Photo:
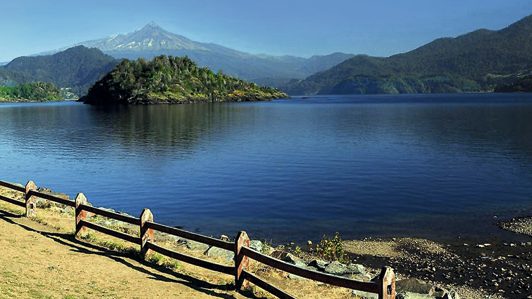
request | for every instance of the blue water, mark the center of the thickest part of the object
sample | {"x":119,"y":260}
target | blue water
{"x":420,"y":165}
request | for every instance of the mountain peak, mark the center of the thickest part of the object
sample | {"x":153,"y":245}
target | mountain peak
{"x":152,"y":25}
{"x":149,"y":38}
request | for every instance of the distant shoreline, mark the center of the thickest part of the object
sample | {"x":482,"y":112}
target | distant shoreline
{"x":292,"y":97}
{"x":31,"y":101}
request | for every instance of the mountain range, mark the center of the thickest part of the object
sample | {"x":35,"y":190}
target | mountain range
{"x":152,"y":40}
{"x":473,"y":62}
{"x":478,"y":61}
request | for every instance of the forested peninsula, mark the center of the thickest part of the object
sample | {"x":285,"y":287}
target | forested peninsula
{"x":172,"y":80}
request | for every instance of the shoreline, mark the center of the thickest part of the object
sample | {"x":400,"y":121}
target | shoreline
{"x":487,"y":264}
{"x":31,"y":101}
{"x":496,"y":268}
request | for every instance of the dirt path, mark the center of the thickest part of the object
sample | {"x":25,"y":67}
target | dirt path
{"x":38,"y":262}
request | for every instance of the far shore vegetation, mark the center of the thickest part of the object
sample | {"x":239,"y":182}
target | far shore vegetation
{"x":521,"y":84}
{"x":30,"y":92}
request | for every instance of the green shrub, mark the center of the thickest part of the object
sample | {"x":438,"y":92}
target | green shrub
{"x":331,"y":249}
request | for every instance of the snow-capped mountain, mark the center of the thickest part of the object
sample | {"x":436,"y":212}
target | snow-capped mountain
{"x":152,"y":40}
{"x":149,"y":38}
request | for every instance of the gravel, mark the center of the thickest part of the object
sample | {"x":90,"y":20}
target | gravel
{"x":522,"y":225}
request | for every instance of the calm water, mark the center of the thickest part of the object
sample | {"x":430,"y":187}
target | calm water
{"x":436,"y":166}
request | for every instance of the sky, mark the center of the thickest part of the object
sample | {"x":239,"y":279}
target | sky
{"x":277,"y":27}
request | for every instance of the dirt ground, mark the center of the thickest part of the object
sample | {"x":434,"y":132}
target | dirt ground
{"x":38,"y":261}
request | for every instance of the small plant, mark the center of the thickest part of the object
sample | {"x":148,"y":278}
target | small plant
{"x":89,"y":237}
{"x":266,"y":247}
{"x":155,"y":258}
{"x":161,"y":260}
{"x":44,"y":204}
{"x":331,"y":249}
{"x":298,"y":251}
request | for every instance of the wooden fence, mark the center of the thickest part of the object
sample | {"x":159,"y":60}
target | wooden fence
{"x":384,"y":286}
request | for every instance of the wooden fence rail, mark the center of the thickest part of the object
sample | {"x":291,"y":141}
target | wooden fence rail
{"x":111,"y":232}
{"x":313,"y":275}
{"x":190,"y":259}
{"x":13,"y":201}
{"x":384,"y":286}
{"x":12,"y":186}
{"x":191,"y":236}
{"x":51,"y":197}
{"x":109,"y":214}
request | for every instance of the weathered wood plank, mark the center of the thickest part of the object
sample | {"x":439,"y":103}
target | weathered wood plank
{"x":387,"y":283}
{"x":266,"y":286}
{"x":191,"y":236}
{"x":111,"y":232}
{"x":241,"y":260}
{"x":53,"y":198}
{"x":313,"y":275}
{"x":31,"y":205}
{"x":12,"y":186}
{"x":146,"y":234}
{"x":79,"y":213}
{"x":13,"y":201}
{"x":112,"y":215}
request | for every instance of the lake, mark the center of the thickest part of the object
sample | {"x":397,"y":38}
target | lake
{"x":437,"y":166}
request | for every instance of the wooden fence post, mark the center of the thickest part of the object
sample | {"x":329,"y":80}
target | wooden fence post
{"x":30,"y":200}
{"x":80,"y":214}
{"x":387,"y":283}
{"x":146,"y":234}
{"x":241,"y":261}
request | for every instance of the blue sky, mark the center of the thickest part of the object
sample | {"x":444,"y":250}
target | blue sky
{"x":294,"y":27}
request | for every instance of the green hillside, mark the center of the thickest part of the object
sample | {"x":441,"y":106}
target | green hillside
{"x":476,"y":61}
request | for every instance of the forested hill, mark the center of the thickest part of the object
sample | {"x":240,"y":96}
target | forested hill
{"x":477,"y":61}
{"x":167,"y":79}
{"x":77,"y":68}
